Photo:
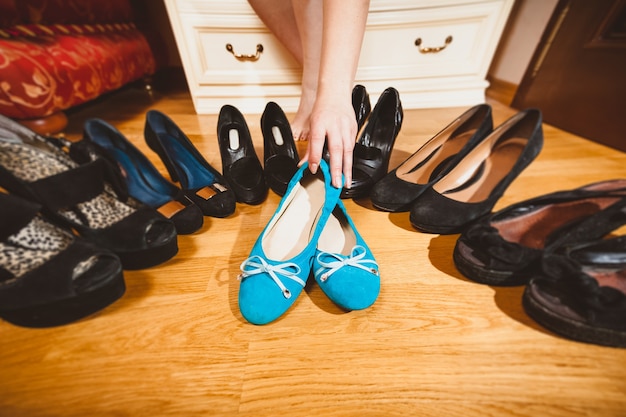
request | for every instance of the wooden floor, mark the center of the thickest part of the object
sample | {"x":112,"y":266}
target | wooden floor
{"x":434,"y":343}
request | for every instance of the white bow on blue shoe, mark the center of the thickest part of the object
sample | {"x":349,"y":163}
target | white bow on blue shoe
{"x":344,"y":266}
{"x":280,"y":262}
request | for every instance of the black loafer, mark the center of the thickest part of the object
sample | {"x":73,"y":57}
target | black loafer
{"x":240,"y":164}
{"x":48,"y":275}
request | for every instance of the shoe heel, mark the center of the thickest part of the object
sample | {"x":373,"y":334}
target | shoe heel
{"x":154,"y":144}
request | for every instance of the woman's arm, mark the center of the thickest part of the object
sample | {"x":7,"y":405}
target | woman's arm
{"x":333,"y":117}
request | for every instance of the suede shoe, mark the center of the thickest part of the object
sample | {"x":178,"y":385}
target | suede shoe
{"x":344,"y":266}
{"x":279,"y":264}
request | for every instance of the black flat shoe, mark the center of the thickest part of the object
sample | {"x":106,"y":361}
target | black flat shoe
{"x":49,"y":276}
{"x":144,"y":181}
{"x":240,"y":164}
{"x":505,"y":248}
{"x":90,"y":198}
{"x":202,"y":183}
{"x":361,"y":104}
{"x":279,"y":149}
{"x":474,"y":185}
{"x":397,"y":190}
{"x":373,"y":147}
{"x":580,"y":292}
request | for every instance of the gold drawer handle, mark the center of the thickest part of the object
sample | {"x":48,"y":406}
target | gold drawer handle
{"x":242,"y":57}
{"x":432,"y":49}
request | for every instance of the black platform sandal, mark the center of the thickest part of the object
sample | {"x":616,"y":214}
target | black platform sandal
{"x":90,"y":198}
{"x":48,"y":276}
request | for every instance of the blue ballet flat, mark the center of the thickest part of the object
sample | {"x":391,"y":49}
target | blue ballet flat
{"x":145,"y":183}
{"x":280,"y":262}
{"x":344,"y":266}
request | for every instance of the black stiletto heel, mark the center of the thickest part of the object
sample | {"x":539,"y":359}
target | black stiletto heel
{"x":373,"y":148}
{"x":202,"y":183}
{"x":361,"y":104}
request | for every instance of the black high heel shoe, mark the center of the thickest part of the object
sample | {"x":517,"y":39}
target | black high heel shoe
{"x":397,"y":190}
{"x":373,"y":148}
{"x":48,"y":275}
{"x":240,"y":164}
{"x":361,"y":104}
{"x":144,"y":181}
{"x":279,"y":149}
{"x":474,"y":185}
{"x":90,"y":198}
{"x":202,"y":183}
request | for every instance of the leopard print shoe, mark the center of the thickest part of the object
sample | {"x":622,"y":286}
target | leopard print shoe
{"x":90,"y":198}
{"x":49,"y":276}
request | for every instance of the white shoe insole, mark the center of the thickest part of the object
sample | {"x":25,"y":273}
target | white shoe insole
{"x":293,"y":227}
{"x":278,"y":137}
{"x":233,"y":139}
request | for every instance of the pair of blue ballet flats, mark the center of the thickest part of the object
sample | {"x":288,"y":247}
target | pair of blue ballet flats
{"x":310,"y":232}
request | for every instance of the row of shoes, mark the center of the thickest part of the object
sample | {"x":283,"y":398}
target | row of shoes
{"x":121,"y":213}
{"x":311,"y":232}
{"x":78,"y":213}
{"x":568,"y":249}
{"x":378,"y":129}
{"x":565,"y":247}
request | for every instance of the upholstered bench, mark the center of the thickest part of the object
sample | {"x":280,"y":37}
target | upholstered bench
{"x":57,"y":54}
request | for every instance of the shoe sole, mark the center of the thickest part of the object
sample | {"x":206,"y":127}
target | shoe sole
{"x":488,"y":276}
{"x":392,"y":208}
{"x":149,"y":257}
{"x":569,"y":328}
{"x":67,"y":311}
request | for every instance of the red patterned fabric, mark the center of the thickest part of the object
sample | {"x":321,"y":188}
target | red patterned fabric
{"x":67,"y":53}
{"x":48,"y":12}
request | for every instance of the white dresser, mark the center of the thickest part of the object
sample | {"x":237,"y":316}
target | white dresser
{"x":436,"y":53}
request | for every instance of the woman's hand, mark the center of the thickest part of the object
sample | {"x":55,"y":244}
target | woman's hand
{"x":333,"y":122}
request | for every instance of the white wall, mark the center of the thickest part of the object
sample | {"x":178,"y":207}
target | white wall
{"x":523,"y":32}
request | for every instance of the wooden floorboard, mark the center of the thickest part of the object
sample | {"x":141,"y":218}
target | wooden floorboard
{"x":434,"y":343}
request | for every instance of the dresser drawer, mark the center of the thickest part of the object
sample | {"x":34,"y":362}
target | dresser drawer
{"x":254,"y":56}
{"x":453,"y":40}
{"x":257,"y":68}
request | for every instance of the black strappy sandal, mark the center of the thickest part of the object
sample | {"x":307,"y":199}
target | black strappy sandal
{"x":48,"y":276}
{"x":90,"y":198}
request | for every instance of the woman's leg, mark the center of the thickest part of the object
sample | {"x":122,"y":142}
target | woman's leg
{"x":279,"y":18}
{"x":297,"y":24}
{"x":309,"y":18}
